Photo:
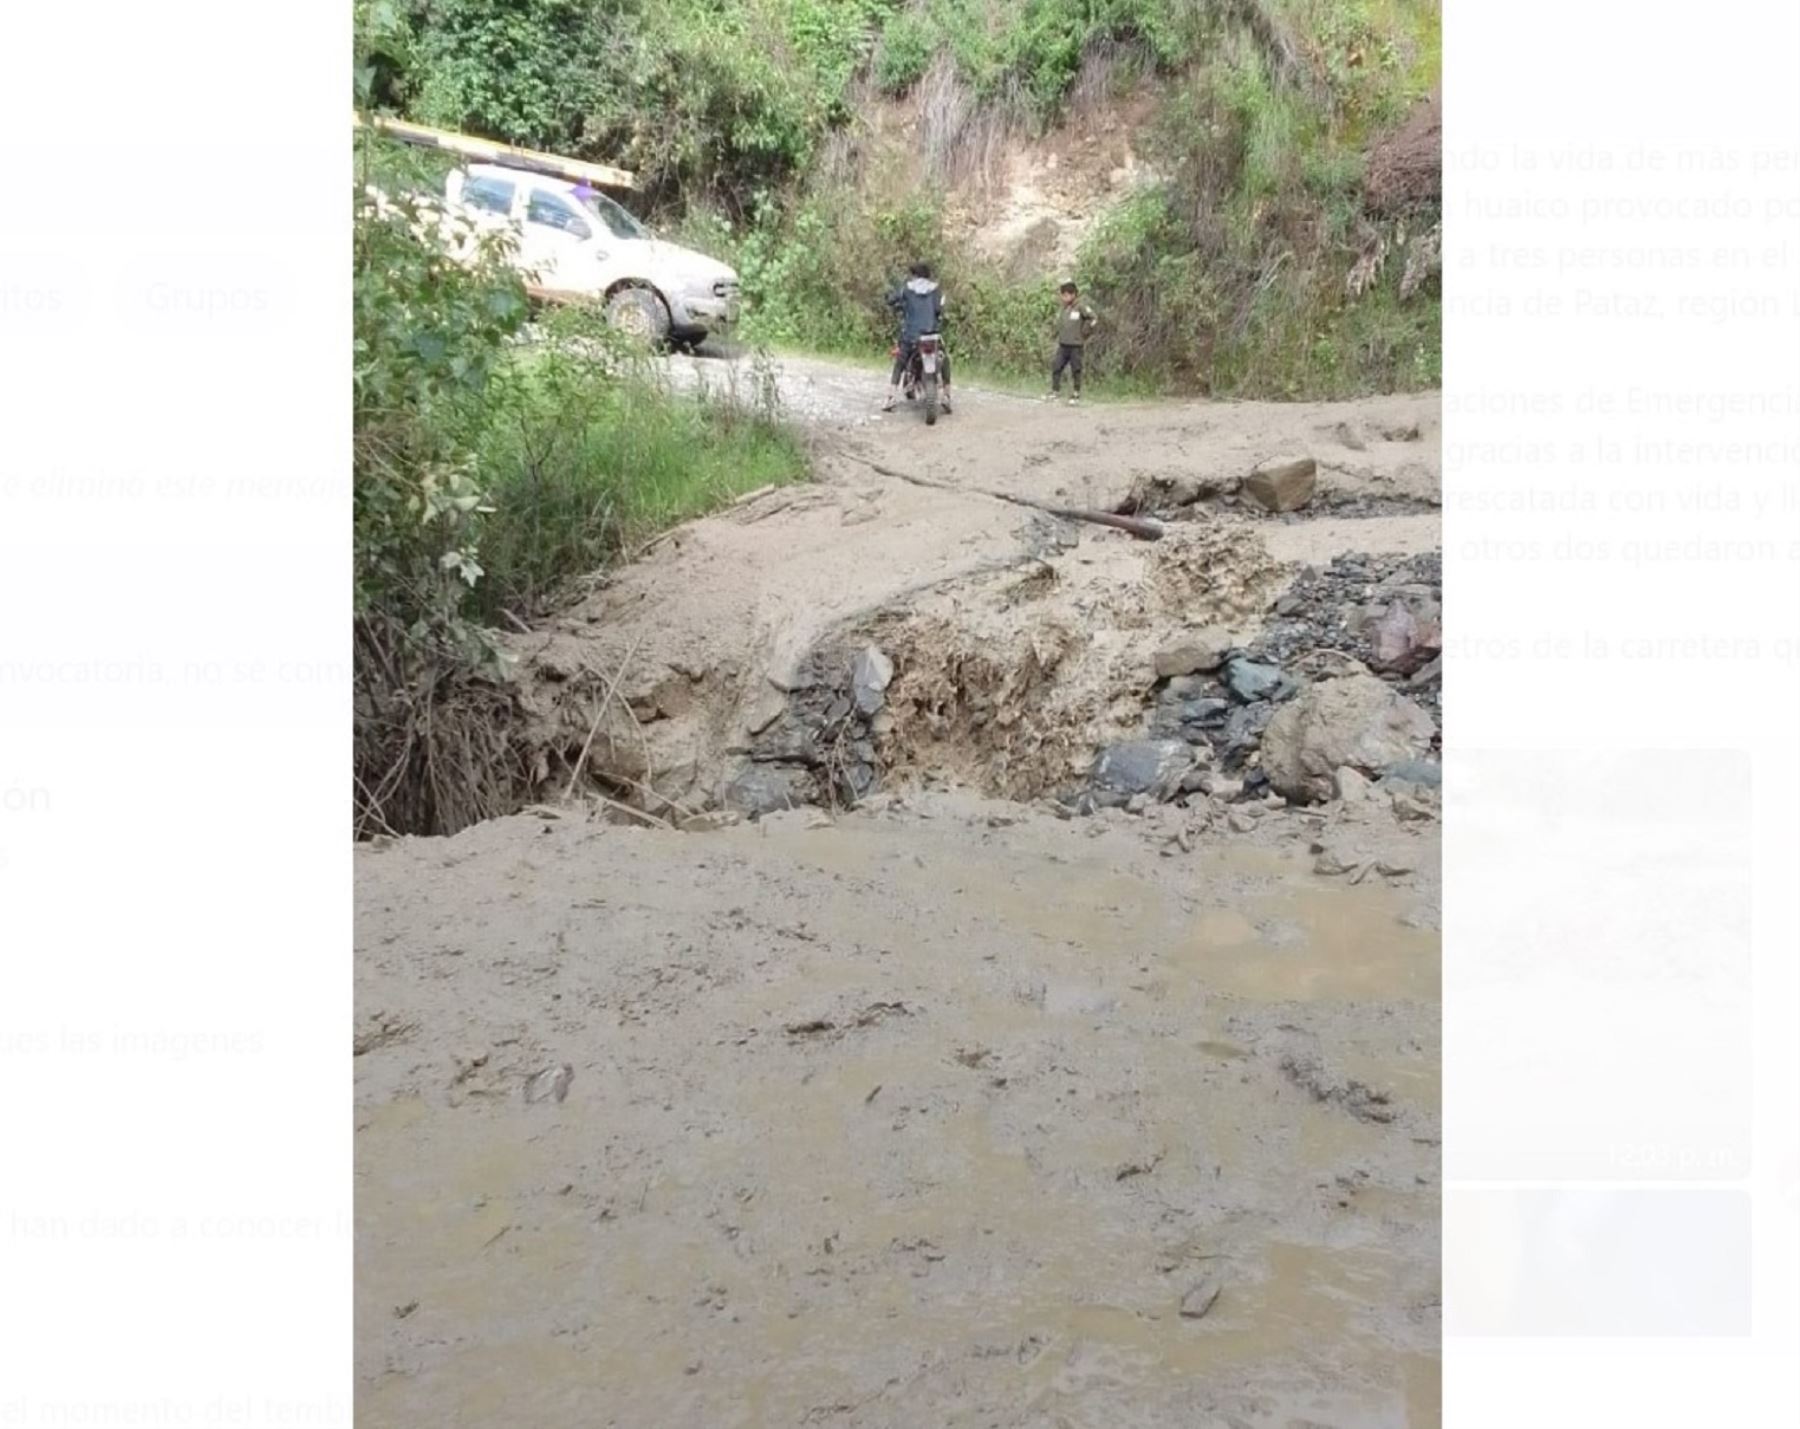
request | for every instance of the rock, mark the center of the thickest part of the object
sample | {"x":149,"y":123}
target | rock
{"x":1194,"y":781}
{"x":1190,"y":656}
{"x":1207,"y":710}
{"x":1350,"y":786}
{"x":869,"y":678}
{"x":1402,"y":642}
{"x":768,"y":706}
{"x":1190,"y":720}
{"x":1283,"y":485}
{"x":1249,"y":681}
{"x":1137,"y":803}
{"x":765,"y":788}
{"x":1410,"y":807}
{"x":1348,"y":436}
{"x":1331,"y":862}
{"x":1394,"y":637}
{"x":1289,"y":605}
{"x":1356,"y":722}
{"x":551,"y":1084}
{"x":791,"y":682}
{"x":711,"y":821}
{"x":1329,"y":665}
{"x":1428,"y":675}
{"x":1141,"y":766}
{"x":1240,"y":821}
{"x":1394,"y":865}
{"x":1201,"y":1296}
{"x":1220,"y":787}
{"x":1244,"y":730}
{"x":788,"y":742}
{"x":1415,"y":771}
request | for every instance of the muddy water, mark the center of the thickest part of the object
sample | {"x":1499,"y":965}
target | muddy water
{"x":905,"y":1122}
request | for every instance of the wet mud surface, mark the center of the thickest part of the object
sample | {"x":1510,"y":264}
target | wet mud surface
{"x":939,"y":1114}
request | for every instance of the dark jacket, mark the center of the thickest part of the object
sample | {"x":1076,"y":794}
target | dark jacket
{"x":920,"y":304}
{"x":1075,"y":324}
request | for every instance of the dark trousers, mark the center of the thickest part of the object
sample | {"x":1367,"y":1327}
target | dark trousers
{"x":1068,"y":354}
{"x":906,"y":356}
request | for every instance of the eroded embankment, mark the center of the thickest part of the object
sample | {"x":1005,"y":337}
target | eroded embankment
{"x":716,"y":674}
{"x":938,"y":1109}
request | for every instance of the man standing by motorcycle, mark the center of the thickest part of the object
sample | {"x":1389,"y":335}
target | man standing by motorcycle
{"x":920,"y":303}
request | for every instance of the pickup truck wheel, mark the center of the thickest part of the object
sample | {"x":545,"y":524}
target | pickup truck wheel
{"x":639,"y":313}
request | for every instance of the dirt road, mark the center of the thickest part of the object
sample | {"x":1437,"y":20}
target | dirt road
{"x":950,"y":1109}
{"x":710,"y":631}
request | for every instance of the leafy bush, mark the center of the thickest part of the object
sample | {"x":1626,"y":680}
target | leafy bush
{"x":740,"y":117}
{"x":430,"y":748}
{"x":908,"y":43}
{"x":518,"y":70}
{"x":428,"y":330}
{"x":486,"y":475}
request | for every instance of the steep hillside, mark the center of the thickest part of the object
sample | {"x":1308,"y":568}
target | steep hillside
{"x":1199,"y":165}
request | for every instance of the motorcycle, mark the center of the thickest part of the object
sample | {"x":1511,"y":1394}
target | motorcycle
{"x":921,"y":379}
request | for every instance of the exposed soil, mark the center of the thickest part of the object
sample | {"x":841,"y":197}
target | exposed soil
{"x":710,"y":635}
{"x":955,"y":1107}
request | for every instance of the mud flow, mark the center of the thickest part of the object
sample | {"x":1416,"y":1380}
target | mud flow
{"x":1012,"y":998}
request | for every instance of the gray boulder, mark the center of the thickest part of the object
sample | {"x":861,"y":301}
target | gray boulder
{"x":1244,"y":730}
{"x":788,"y":741}
{"x":1140,"y":766}
{"x":1358,"y":722}
{"x":1251,"y":681}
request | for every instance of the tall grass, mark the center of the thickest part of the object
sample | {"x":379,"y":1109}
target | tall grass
{"x":586,"y":451}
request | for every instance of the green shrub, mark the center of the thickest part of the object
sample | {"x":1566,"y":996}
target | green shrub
{"x":431,"y":751}
{"x":908,"y":43}
{"x":486,"y":474}
{"x":1229,"y":276}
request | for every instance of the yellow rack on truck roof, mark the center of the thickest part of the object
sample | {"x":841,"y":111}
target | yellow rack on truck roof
{"x":488,"y":152}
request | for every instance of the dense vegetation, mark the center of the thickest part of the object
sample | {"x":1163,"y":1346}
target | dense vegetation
{"x":1238,"y":273}
{"x":487,"y":475}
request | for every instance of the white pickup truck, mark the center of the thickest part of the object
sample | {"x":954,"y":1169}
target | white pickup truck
{"x":576,"y":243}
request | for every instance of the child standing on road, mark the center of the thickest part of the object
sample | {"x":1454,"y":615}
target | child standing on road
{"x":1074,"y":326}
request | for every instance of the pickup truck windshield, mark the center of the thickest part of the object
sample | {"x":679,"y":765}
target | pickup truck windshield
{"x":618,"y":222}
